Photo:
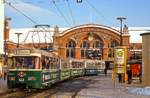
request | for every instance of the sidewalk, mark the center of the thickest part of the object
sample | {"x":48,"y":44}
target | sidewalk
{"x":3,"y":85}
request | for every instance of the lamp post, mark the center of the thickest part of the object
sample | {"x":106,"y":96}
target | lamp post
{"x":121,"y":20}
{"x":79,"y":1}
{"x":18,"y":35}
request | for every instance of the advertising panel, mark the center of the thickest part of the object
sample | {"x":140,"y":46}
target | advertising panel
{"x":120,"y":59}
{"x":120,"y":56}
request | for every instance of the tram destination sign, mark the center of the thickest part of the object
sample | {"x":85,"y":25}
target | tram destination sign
{"x":22,"y":51}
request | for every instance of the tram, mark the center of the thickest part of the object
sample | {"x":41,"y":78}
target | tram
{"x":94,"y":67}
{"x":77,"y":68}
{"x":32,"y":68}
{"x":38,"y":69}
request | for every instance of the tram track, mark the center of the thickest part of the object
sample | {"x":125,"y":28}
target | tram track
{"x":19,"y":92}
{"x":67,"y":89}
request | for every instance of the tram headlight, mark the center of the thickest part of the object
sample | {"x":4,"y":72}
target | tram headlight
{"x":11,"y":78}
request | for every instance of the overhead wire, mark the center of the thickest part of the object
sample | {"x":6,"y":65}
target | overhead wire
{"x":96,"y":10}
{"x":10,"y":4}
{"x":71,"y":12}
{"x":60,"y":12}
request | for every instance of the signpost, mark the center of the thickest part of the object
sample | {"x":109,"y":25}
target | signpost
{"x":120,"y":63}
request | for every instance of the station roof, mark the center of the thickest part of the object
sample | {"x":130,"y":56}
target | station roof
{"x":30,"y":35}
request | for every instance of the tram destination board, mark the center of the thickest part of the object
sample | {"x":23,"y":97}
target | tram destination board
{"x":22,"y":52}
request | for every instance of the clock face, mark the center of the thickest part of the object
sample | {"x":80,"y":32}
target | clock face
{"x":90,"y":36}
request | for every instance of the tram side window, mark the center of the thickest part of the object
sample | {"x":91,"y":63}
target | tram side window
{"x":54,"y":63}
{"x":26,"y":62}
{"x":36,"y":63}
{"x":46,"y":63}
{"x":10,"y":63}
{"x":17,"y":62}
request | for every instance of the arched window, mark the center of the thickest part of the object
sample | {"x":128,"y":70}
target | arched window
{"x":70,"y":49}
{"x":84,"y":46}
{"x":92,"y":49}
{"x":98,"y":44}
{"x":98,"y":49}
{"x":113,"y":44}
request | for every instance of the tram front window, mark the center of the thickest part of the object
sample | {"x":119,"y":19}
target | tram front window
{"x":25,"y":62}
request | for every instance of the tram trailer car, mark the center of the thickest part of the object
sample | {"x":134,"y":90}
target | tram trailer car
{"x":77,"y":68}
{"x":94,"y":67}
{"x":31,"y":68}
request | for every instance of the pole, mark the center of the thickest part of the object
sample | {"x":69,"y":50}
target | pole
{"x":18,"y":35}
{"x":79,"y":1}
{"x":121,"y":20}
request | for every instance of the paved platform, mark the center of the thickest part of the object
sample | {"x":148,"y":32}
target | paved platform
{"x":3,"y":85}
{"x":91,"y":87}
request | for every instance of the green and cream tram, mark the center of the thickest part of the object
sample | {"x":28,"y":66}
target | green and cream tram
{"x":77,"y":68}
{"x":32,"y":68}
{"x":94,"y":67}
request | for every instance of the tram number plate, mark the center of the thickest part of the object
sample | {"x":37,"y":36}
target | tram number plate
{"x":21,"y":79}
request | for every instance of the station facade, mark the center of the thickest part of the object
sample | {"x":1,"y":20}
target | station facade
{"x":89,"y":41}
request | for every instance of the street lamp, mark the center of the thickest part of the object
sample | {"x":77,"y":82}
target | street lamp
{"x":79,"y":1}
{"x":18,"y":35}
{"x":121,"y":20}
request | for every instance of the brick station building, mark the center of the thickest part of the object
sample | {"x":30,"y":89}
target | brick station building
{"x":87,"y":41}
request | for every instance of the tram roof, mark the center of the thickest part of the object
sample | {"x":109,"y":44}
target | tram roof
{"x":33,"y":52}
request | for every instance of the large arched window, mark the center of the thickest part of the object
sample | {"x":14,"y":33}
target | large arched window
{"x":84,"y":47}
{"x":97,"y":45}
{"x":70,"y":49}
{"x":93,"y":48}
